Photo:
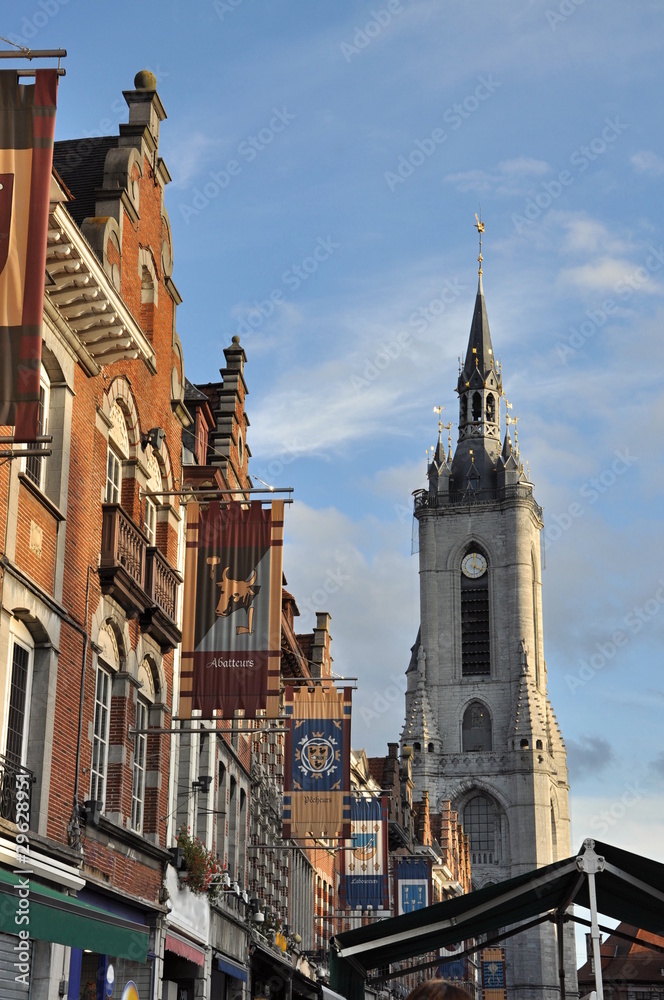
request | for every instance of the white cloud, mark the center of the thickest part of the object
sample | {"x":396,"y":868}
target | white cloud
{"x":192,"y":155}
{"x":509,"y":177}
{"x":647,"y":162}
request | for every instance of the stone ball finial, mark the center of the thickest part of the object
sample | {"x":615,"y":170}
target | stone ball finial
{"x":236,"y":339}
{"x":145,"y":80}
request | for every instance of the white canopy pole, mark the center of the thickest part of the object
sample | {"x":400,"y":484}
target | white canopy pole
{"x":591,"y":863}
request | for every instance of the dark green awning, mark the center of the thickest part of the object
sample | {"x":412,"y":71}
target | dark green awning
{"x":49,"y":915}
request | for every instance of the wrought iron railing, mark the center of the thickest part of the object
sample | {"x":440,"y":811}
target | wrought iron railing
{"x":456,"y":498}
{"x":16,"y":784}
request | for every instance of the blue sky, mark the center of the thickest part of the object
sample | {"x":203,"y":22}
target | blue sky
{"x":327,"y":162}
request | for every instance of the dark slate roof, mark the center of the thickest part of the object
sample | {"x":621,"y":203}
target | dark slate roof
{"x":479,"y":342}
{"x":80,"y":163}
{"x":192,"y":393}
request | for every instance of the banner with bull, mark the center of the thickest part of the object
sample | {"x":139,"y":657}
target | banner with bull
{"x":27,"y":127}
{"x":317,"y":763}
{"x":232,"y":610}
{"x":364,"y":879}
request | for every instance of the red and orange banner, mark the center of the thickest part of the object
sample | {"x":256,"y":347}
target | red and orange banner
{"x":317,"y":763}
{"x":231,"y":640}
{"x":27,"y":127}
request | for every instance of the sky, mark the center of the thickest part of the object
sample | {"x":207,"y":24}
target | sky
{"x":328,"y":160}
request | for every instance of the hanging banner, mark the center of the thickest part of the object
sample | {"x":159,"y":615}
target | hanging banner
{"x":231,"y":637}
{"x":317,"y":763}
{"x":27,"y":127}
{"x":412,"y":885}
{"x":364,"y":879}
{"x":493,"y":974}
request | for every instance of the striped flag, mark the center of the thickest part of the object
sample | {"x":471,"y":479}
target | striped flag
{"x":317,"y":763}
{"x":231,"y":639}
{"x":364,"y":879}
{"x":27,"y":127}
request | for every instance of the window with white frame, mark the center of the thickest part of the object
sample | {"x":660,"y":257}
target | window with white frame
{"x":118,"y":450}
{"x":150,"y":525}
{"x":153,"y":485}
{"x":16,"y":735}
{"x":35,"y":465}
{"x":100,"y":734}
{"x":140,"y":754}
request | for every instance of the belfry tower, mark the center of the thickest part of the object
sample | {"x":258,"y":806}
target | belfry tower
{"x":478,"y":718}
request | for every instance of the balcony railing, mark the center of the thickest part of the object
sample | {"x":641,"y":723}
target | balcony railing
{"x":15,"y":778}
{"x":138,"y":576}
{"x":425,"y":500}
{"x":161,"y":584}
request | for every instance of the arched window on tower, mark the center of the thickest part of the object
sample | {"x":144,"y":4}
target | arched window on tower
{"x":464,"y":408}
{"x":477,"y":406}
{"x":479,"y":822}
{"x":491,"y":408}
{"x":475,"y":638}
{"x":476,"y":728}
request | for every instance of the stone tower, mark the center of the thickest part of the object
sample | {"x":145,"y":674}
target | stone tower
{"x":478,"y":718}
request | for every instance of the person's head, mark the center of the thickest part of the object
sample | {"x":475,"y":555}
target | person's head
{"x":437,"y":989}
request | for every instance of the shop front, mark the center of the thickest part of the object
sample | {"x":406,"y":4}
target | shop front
{"x":34,"y":917}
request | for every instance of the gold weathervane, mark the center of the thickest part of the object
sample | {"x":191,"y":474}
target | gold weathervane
{"x":479,"y":226}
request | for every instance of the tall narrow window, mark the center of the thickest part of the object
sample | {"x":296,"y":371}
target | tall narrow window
{"x":479,"y":822}
{"x":35,"y":465}
{"x":18,"y":705}
{"x":475,"y":636}
{"x":476,"y":728}
{"x":100,"y":736}
{"x":150,"y":526}
{"x":491,"y":408}
{"x":138,"y":782}
{"x":477,"y":406}
{"x":113,"y":477}
{"x":118,"y":449}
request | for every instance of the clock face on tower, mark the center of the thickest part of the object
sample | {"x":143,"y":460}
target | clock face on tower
{"x":473,"y":565}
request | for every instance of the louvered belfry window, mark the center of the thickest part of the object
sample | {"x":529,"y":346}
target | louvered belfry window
{"x":475,"y":641}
